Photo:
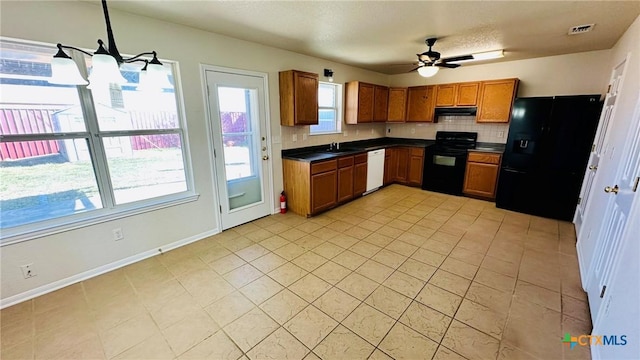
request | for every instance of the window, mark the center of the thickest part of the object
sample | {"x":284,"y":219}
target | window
{"x":329,"y":109}
{"x":70,"y":154}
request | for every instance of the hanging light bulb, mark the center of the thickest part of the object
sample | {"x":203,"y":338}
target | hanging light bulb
{"x":64,"y":70}
{"x":104,"y":69}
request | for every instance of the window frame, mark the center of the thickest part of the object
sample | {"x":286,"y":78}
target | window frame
{"x":95,"y":139}
{"x":337,"y":108}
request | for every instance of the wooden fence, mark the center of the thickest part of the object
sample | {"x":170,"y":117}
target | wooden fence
{"x":15,"y":121}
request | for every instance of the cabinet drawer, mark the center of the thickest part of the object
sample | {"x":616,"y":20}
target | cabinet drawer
{"x":323,"y":166}
{"x":416,"y":151}
{"x":345,"y":161}
{"x":361,"y":158}
{"x":486,"y":158}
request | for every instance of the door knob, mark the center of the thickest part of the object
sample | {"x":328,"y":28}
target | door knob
{"x":265,"y":157}
{"x":593,"y":167}
{"x":610,"y":189}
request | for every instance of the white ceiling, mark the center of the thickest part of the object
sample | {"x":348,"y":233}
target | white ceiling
{"x":384,"y":36}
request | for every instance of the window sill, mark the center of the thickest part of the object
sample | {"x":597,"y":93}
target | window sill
{"x":325,"y":133}
{"x":35,"y":230}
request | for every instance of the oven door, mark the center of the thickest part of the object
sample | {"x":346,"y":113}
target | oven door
{"x":444,"y":170}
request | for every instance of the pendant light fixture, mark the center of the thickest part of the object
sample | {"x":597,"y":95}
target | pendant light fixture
{"x":106,"y":63}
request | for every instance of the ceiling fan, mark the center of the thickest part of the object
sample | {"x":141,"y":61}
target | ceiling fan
{"x":429,"y":61}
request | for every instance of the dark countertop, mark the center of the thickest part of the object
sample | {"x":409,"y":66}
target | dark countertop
{"x":319,"y":153}
{"x":489,"y":147}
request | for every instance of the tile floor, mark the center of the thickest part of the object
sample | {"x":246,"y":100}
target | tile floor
{"x":401,"y":273}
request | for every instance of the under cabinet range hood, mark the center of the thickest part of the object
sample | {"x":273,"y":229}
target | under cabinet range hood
{"x":456,"y":111}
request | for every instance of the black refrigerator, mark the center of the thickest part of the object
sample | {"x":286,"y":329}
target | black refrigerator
{"x":547,"y":150}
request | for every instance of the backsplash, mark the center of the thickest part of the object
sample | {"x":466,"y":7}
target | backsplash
{"x":493,"y":133}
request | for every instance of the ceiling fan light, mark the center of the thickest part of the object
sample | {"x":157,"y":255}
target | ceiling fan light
{"x":487,"y":55}
{"x":428,"y":71}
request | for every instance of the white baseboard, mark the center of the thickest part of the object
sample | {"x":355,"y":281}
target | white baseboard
{"x":44,"y":289}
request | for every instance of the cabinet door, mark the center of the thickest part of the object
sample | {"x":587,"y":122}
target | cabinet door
{"x":420,"y":104}
{"x":496,"y":100}
{"x":390,"y":165}
{"x":403,"y":164}
{"x":397,"y":104}
{"x":365,"y":102}
{"x":359,"y":179}
{"x":416,"y":165}
{"x":323,"y":190}
{"x":480,"y":180}
{"x":305,"y":98}
{"x":380,"y":103}
{"x":446,"y":94}
{"x":467,"y":94}
{"x":345,"y":183}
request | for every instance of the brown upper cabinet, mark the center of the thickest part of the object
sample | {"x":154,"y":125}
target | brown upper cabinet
{"x":365,"y":103}
{"x":380,"y":103}
{"x":420,"y":103}
{"x":458,"y":94}
{"x":298,"y":98}
{"x":495,"y":100}
{"x":397,"y":104}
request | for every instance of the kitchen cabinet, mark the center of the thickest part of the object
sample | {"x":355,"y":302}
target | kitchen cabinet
{"x":298,"y":98}
{"x":496,"y":100}
{"x":402,"y":170}
{"x":345,"y":178}
{"x":323,"y":185}
{"x":380,"y":103}
{"x":359,"y":100}
{"x":481,"y":175}
{"x":359,"y":174}
{"x":365,"y":103}
{"x":457,"y":94}
{"x":315,"y":187}
{"x":390,"y":165}
{"x":420,"y":103}
{"x":397,"y":104}
{"x":416,"y":165}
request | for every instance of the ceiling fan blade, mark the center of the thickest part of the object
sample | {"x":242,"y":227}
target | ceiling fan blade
{"x":458,"y":58}
{"x":446,"y":65}
{"x":416,"y":68}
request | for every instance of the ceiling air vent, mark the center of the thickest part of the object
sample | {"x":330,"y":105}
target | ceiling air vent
{"x":580,"y":29}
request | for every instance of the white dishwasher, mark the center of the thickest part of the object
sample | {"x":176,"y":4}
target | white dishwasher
{"x":375,"y":170}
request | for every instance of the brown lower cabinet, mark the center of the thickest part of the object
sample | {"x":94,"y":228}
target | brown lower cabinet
{"x":315,"y":187}
{"x":359,"y":175}
{"x":481,"y":175}
{"x":403,"y":165}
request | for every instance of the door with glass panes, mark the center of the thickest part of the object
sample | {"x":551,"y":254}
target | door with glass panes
{"x":238,"y":114}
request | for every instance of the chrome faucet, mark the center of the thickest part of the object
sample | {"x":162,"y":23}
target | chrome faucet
{"x":334,"y":146}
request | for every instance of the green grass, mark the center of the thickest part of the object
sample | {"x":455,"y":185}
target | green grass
{"x":146,"y":167}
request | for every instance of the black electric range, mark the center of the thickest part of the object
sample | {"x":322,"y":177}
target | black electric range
{"x":445,"y":161}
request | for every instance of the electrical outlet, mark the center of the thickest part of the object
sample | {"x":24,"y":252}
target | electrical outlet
{"x":117,"y":234}
{"x":294,"y":138}
{"x":304,"y":137}
{"x":413,"y":130}
{"x":371,"y":131}
{"x":345,"y":133}
{"x":28,"y":271}
{"x":500,"y":134}
{"x":357,"y":132}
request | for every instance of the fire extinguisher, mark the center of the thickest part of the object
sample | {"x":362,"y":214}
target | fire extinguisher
{"x":283,"y":203}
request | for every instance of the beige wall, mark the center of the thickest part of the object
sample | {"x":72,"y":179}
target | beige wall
{"x":68,"y":254}
{"x":72,"y":253}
